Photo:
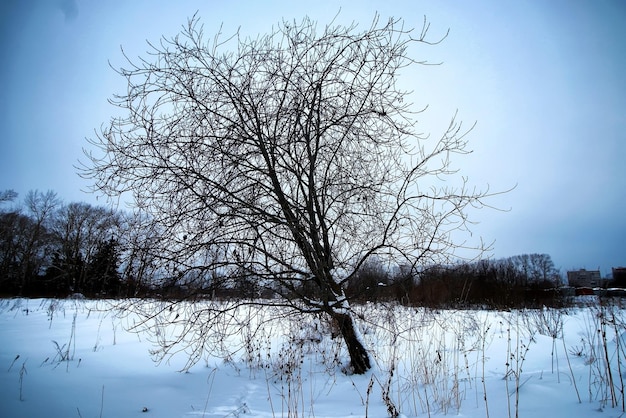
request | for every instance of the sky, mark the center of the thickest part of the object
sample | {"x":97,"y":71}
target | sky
{"x":543,"y":80}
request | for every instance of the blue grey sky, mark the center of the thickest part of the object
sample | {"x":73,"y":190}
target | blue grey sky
{"x":544,"y":80}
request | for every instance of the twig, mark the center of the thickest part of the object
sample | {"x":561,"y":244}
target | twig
{"x":13,"y":362}
{"x":102,"y":402}
{"x":212,"y":377}
{"x":23,"y":372}
{"x":571,"y":371}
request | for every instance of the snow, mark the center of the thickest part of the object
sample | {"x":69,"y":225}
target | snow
{"x":78,"y":359}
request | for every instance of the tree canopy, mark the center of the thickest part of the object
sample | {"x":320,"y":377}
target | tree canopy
{"x":291,"y":158}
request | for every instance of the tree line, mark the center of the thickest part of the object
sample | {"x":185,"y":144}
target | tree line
{"x":519,"y":281}
{"x":51,"y":248}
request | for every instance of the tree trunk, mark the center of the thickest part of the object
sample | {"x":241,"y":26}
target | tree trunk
{"x":359,"y":359}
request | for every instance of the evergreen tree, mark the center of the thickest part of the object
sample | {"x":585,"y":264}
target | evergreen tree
{"x":103,"y":275}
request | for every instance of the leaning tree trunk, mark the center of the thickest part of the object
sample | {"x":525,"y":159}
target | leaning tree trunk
{"x":359,"y":359}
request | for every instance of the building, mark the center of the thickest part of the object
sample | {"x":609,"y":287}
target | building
{"x":619,"y":277}
{"x":585,"y":278}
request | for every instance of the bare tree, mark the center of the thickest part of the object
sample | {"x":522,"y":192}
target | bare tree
{"x":25,"y":240}
{"x":79,"y":229}
{"x":8,"y":195}
{"x":41,"y":207}
{"x":291,"y":158}
{"x":139,"y":240}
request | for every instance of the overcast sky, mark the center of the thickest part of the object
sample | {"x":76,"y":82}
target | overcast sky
{"x":544,"y":80}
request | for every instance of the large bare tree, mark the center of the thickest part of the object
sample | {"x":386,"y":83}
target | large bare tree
{"x":291,"y":158}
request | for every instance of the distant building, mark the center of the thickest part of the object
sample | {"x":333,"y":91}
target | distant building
{"x":585,"y":278}
{"x":619,"y":277}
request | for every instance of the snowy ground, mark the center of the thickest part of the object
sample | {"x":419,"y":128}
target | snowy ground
{"x":74,"y":358}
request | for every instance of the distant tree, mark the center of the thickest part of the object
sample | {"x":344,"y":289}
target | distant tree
{"x":8,"y":195}
{"x":15,"y":228}
{"x":41,"y":207}
{"x":533,"y":268}
{"x":544,"y":269}
{"x":369,"y":282}
{"x":139,"y":249}
{"x":79,"y":229}
{"x":103,"y":277}
{"x":25,"y":240}
{"x":291,"y":158}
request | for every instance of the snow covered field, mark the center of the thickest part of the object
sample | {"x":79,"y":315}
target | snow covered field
{"x":75,"y":358}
